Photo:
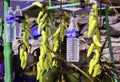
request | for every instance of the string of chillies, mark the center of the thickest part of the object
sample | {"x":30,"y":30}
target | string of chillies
{"x":95,"y":47}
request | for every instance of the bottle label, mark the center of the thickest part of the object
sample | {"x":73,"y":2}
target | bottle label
{"x":72,"y":34}
{"x":10,"y":18}
{"x":18,"y":19}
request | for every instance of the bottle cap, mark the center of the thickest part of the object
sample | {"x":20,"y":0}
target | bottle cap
{"x":17,"y":7}
{"x":72,"y":16}
{"x":10,"y":8}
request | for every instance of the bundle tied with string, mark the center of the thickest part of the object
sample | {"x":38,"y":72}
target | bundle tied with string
{"x":95,"y":47}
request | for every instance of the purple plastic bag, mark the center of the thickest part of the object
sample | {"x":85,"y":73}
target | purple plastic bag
{"x":2,"y":71}
{"x":2,"y":68}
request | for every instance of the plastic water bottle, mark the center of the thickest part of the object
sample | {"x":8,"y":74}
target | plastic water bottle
{"x":18,"y":16}
{"x":10,"y":29}
{"x":72,"y":41}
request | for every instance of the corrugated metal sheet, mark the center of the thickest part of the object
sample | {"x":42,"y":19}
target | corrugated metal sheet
{"x":26,"y":6}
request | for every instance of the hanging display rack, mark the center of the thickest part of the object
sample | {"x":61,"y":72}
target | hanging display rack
{"x":8,"y":45}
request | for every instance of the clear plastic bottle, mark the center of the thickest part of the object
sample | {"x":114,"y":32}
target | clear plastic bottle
{"x":72,"y":41}
{"x":18,"y":15}
{"x":10,"y":29}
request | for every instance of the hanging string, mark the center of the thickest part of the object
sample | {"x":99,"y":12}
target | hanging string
{"x":51,"y":20}
{"x":116,"y":12}
{"x":60,"y":24}
{"x":50,"y":3}
{"x":100,"y":13}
